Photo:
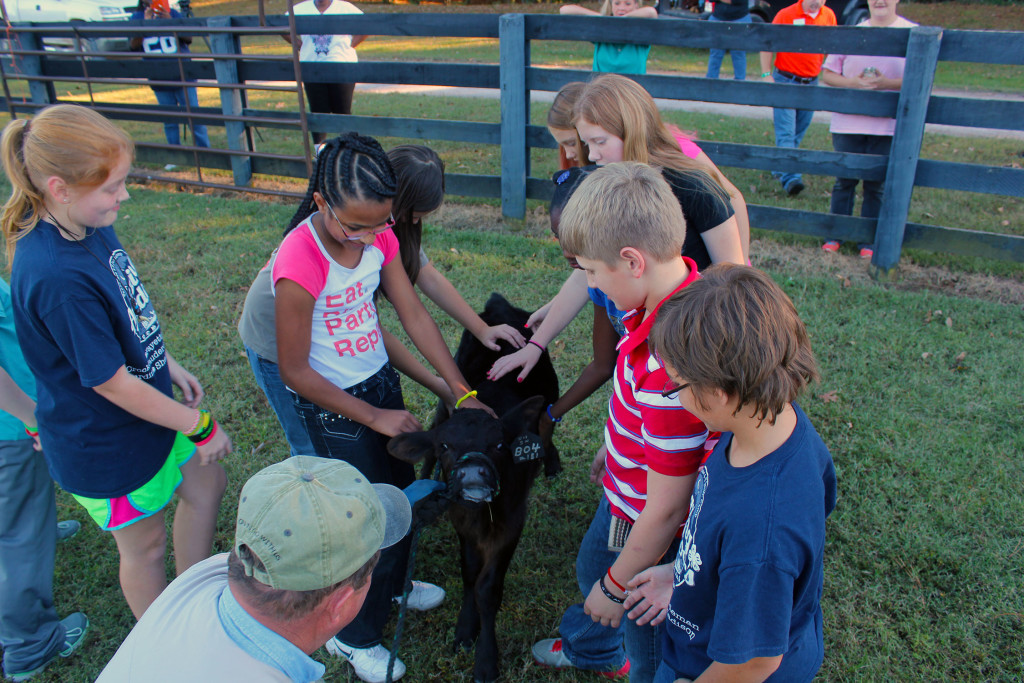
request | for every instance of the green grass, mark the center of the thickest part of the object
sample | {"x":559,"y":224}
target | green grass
{"x":923,"y":562}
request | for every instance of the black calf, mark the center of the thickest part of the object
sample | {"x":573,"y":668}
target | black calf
{"x":492,"y":463}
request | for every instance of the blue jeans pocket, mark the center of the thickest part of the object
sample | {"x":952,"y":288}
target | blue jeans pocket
{"x":339,"y":426}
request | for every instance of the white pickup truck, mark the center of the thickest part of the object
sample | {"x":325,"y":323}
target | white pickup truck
{"x":59,"y":11}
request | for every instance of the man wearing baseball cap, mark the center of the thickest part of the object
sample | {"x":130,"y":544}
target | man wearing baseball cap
{"x":308,"y":534}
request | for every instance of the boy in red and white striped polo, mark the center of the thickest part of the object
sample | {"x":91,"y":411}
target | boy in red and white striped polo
{"x":626,"y":229}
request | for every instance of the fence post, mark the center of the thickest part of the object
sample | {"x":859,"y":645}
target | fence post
{"x":40,"y":92}
{"x":515,"y":113}
{"x":922,"y":57}
{"x":231,"y":98}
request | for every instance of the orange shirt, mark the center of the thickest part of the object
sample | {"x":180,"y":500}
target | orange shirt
{"x":799,"y":63}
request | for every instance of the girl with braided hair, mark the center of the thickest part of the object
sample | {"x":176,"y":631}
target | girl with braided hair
{"x":340,"y":248}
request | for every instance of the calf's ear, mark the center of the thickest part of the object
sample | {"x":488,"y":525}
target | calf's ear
{"x":522,"y":418}
{"x":411,"y":447}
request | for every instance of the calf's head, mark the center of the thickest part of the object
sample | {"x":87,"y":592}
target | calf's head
{"x":474,"y":448}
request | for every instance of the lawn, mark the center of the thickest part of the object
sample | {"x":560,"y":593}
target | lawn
{"x":919,"y":403}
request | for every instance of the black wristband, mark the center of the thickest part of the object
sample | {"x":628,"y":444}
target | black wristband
{"x":608,"y":593}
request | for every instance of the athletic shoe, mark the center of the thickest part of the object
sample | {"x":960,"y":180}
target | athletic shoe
{"x":831,"y":245}
{"x":548,"y":652}
{"x":67,"y":529}
{"x":866,"y":252}
{"x":423,"y":596}
{"x":794,"y":187}
{"x":370,"y":663}
{"x":75,"y":627}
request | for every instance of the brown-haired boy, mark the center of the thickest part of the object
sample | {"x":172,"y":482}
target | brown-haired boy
{"x":742,"y":600}
{"x":625,"y":229}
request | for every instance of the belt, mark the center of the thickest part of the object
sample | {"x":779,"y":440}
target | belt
{"x":803,"y":80}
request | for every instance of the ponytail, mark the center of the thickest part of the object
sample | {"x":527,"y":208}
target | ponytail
{"x":68,"y":141}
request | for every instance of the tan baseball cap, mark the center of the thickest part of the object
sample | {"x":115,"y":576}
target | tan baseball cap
{"x":313,"y":522}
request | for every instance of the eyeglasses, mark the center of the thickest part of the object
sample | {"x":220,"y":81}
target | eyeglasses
{"x":672,"y":389}
{"x":373,"y":230}
{"x":573,"y":263}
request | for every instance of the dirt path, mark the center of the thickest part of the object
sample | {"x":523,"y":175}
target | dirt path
{"x":734,"y":110}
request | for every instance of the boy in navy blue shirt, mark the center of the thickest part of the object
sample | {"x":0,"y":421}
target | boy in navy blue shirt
{"x":742,"y":602}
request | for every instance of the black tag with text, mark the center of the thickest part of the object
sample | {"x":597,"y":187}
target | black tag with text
{"x":527,"y":447}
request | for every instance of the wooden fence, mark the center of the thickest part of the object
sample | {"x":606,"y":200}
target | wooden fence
{"x":234,"y":74}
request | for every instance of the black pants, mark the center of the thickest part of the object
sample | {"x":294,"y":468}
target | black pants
{"x":329,"y":98}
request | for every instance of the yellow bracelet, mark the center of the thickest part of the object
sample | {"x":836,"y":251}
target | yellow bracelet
{"x":469,"y":394}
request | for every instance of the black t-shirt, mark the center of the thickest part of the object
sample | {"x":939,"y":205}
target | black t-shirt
{"x":703,"y":210}
{"x":726,"y":12}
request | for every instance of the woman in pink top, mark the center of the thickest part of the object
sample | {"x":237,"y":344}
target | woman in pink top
{"x":863,"y":134}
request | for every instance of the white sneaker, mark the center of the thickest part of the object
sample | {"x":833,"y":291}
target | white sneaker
{"x":370,"y":663}
{"x":424,"y":596}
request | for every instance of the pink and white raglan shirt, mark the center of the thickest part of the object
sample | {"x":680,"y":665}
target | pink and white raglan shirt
{"x":346,"y":345}
{"x":646,"y":431}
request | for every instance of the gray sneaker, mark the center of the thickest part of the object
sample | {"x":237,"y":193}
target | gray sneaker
{"x":75,"y":627}
{"x":67,"y":529}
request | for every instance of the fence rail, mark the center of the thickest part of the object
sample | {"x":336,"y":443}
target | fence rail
{"x":235,"y":72}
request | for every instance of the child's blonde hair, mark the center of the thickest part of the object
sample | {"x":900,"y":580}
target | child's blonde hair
{"x":72,"y":142}
{"x":606,"y":10}
{"x":626,"y":204}
{"x":623,"y":108}
{"x":736,"y":331}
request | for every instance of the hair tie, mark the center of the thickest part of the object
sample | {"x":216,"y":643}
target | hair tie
{"x":562,"y":177}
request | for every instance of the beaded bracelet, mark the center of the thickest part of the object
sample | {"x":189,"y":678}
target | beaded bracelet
{"x":552,"y":417}
{"x":469,"y":394}
{"x":608,"y":593}
{"x":530,"y":341}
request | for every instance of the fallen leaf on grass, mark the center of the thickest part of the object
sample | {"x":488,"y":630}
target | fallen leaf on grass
{"x":949,"y":322}
{"x":926,"y":355}
{"x":453,"y":250}
{"x":960,"y":356}
{"x":829,"y":397}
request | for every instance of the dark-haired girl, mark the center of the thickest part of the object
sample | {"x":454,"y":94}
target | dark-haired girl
{"x":331,"y":353}
{"x":419,"y":192}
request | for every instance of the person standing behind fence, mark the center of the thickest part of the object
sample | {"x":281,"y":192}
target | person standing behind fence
{"x":620,"y":58}
{"x":169,"y":96}
{"x":113,"y":434}
{"x":863,"y":134}
{"x":327,"y":98}
{"x":801,"y":69}
{"x":736,"y":11}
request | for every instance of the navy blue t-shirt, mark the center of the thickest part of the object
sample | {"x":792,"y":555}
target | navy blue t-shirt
{"x":81,"y":313}
{"x":749,"y":572}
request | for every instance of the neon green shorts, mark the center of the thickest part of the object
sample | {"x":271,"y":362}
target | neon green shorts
{"x":150,"y":498}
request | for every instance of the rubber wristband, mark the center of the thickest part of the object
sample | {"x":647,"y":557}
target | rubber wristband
{"x":195,"y":425}
{"x":209,"y":437}
{"x":608,"y":594}
{"x":766,"y":74}
{"x":530,"y":341}
{"x":552,"y":417}
{"x":31,"y":431}
{"x":614,"y":582}
{"x":469,"y":394}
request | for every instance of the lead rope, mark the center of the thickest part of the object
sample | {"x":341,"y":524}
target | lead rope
{"x":444,"y":499}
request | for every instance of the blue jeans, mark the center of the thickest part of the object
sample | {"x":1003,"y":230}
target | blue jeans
{"x":587,"y":643}
{"x":666,"y":674}
{"x":790,"y":126}
{"x":844,"y":191}
{"x":739,"y":58}
{"x":338,"y":437}
{"x":30,"y":631}
{"x":174,"y":98}
{"x":268,"y":379}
